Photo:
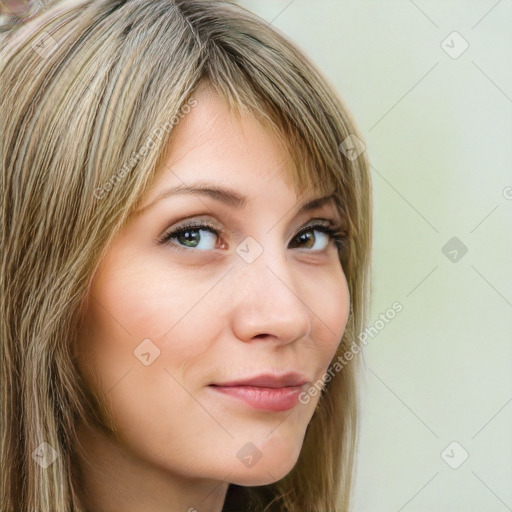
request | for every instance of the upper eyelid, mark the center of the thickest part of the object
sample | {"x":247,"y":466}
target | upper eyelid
{"x":197,"y":223}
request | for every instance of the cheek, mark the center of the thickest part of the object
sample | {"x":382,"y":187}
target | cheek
{"x":133,"y":320}
{"x":328,"y":299}
{"x":140,"y":325}
{"x":145,"y":299}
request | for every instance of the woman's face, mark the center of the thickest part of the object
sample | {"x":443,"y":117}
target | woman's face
{"x":244,"y":296}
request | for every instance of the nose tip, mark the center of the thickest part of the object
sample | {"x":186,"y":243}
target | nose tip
{"x":269,"y":306}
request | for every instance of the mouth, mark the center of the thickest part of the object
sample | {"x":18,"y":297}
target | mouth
{"x":265,"y":392}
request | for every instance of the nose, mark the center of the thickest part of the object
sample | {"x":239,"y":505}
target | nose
{"x":267,"y":303}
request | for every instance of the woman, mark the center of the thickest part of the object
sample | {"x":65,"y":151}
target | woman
{"x":186,"y":236}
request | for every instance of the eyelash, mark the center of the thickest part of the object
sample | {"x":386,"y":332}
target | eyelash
{"x":333,"y":231}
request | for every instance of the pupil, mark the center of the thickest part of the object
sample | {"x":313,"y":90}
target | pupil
{"x":307,"y":237}
{"x":190,"y":237}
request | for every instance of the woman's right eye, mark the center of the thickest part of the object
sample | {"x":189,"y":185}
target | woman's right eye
{"x":197,"y":236}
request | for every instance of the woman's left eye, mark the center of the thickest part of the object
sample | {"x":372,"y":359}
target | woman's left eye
{"x":204,"y":237}
{"x":317,"y":237}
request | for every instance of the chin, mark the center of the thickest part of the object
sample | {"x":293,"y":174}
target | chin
{"x":252,"y":477}
{"x":267,"y":470}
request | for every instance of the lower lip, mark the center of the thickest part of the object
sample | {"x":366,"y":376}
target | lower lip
{"x":269,"y":399}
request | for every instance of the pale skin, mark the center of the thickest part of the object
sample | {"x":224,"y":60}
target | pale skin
{"x":213,"y":316}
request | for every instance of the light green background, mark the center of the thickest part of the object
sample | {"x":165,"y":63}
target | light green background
{"x":438,"y":132}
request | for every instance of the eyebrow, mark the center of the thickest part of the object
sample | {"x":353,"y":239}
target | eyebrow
{"x":229,"y":196}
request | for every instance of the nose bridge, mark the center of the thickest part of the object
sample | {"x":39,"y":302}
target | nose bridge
{"x":268,"y":301}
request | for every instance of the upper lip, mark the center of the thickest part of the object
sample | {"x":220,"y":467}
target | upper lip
{"x":268,"y":380}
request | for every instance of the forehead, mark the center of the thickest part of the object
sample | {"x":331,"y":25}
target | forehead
{"x":215,"y":143}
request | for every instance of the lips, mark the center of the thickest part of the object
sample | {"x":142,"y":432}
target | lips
{"x":268,"y":381}
{"x":266,"y":392}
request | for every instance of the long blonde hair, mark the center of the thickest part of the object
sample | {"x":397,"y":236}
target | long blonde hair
{"x":84,"y":84}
